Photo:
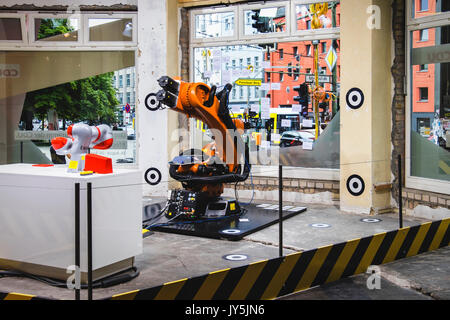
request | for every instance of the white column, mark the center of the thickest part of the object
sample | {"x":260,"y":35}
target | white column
{"x":151,"y":64}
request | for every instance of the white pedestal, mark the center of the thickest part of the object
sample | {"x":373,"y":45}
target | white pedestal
{"x":37,"y":219}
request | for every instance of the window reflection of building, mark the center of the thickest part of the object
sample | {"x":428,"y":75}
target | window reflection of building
{"x":238,"y":61}
{"x":423,"y":76}
{"x":429,"y":114}
{"x":125,"y":93}
{"x":303,"y":65}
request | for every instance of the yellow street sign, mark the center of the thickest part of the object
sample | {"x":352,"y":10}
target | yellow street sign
{"x":331,"y":58}
{"x":248,"y":82}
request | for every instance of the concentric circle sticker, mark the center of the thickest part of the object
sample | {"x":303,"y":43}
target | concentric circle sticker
{"x":152,"y":176}
{"x":354,"y":98}
{"x":320,"y":225}
{"x":231,"y":231}
{"x":370,"y":220}
{"x":235,"y":257}
{"x":355,"y":185}
{"x":151,"y":103}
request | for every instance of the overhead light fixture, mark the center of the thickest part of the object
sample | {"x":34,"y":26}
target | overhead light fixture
{"x":127,"y":32}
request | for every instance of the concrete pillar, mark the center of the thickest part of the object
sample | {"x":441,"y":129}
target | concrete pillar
{"x":173,"y":70}
{"x":151,"y":64}
{"x":366,"y":96}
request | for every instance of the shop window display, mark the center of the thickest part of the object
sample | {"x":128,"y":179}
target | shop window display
{"x":276,"y":105}
{"x":39,"y":106}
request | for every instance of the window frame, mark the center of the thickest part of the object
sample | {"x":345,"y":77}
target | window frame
{"x":22,"y":30}
{"x":31,"y":22}
{"x":87,"y":41}
{"x":414,"y":24}
{"x":426,"y":20}
{"x":269,"y":35}
{"x":212,"y":10}
{"x":319,"y":34}
{"x":28,"y":42}
{"x":27,"y":45}
{"x":289,"y":35}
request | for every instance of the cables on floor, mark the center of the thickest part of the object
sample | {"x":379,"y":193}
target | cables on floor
{"x":113,"y":280}
{"x":253,"y":190}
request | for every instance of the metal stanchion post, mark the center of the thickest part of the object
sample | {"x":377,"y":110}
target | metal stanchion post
{"x":77,"y":240}
{"x":89,"y":238}
{"x":400,"y":202}
{"x":280,"y":208}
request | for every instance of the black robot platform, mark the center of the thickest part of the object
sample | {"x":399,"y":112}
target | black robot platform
{"x":250,"y":219}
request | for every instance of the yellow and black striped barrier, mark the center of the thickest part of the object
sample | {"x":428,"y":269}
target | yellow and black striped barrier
{"x":17,"y":296}
{"x":273,"y":278}
{"x":269,"y":279}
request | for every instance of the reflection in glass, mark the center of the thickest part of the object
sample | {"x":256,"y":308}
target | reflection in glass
{"x":214,"y":25}
{"x":83,"y":88}
{"x":108,"y":29}
{"x":266,"y":20}
{"x":423,"y":8}
{"x":305,"y":16}
{"x":430,"y":104}
{"x":56,"y":29}
{"x":266,"y":79}
{"x":10,"y":29}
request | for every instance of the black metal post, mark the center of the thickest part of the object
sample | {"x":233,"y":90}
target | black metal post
{"x":21,"y":151}
{"x":77,"y":240}
{"x":400,"y":202}
{"x":280,"y":208}
{"x":89,"y":238}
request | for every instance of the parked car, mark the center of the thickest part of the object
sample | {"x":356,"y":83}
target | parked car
{"x":295,"y":138}
{"x":131,"y":134}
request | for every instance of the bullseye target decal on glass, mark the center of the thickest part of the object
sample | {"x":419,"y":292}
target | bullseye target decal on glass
{"x":152,"y":176}
{"x":355,"y":185}
{"x":354,"y":98}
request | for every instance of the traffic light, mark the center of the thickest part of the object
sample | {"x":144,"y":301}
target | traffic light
{"x":262,"y":24}
{"x":302,"y":97}
{"x":269,"y":124}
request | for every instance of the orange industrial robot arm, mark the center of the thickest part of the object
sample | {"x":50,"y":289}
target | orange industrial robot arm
{"x":201,"y":102}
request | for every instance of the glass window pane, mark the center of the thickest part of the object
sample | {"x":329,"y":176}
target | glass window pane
{"x":41,"y":105}
{"x":107,"y":29}
{"x":266,"y":94}
{"x":10,"y":29}
{"x":265,"y":20}
{"x":318,"y":15}
{"x":56,"y":29}
{"x":423,"y":8}
{"x":213,"y":25}
{"x":430,"y":103}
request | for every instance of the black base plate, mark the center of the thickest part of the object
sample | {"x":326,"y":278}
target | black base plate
{"x":253,"y":218}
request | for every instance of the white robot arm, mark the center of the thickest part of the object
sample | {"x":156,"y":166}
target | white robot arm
{"x":81,"y":138}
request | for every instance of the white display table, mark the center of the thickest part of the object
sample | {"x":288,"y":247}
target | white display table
{"x":37,"y":220}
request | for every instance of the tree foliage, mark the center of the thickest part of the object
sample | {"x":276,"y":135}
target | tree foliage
{"x":91,"y":99}
{"x":53,"y":27}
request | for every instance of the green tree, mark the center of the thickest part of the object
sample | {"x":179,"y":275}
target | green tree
{"x":53,"y":27}
{"x":91,"y":99}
